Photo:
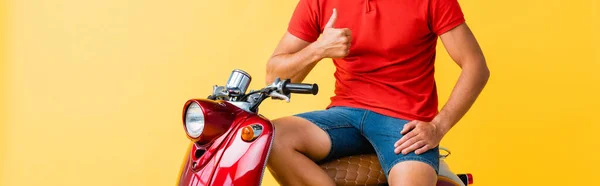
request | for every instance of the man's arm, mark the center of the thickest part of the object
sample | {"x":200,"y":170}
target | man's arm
{"x":465,"y":51}
{"x":461,"y":45}
{"x":294,"y":58}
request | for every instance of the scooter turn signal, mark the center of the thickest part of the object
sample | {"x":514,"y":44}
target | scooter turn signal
{"x":251,"y":132}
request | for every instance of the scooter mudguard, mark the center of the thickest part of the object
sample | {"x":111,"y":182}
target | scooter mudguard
{"x":231,"y":160}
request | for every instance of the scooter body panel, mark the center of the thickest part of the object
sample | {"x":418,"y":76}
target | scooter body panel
{"x":243,"y":163}
{"x":229,"y":160}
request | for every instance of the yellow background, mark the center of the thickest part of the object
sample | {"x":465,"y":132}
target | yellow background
{"x":92,"y":90}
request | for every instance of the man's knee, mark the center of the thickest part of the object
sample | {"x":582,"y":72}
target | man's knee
{"x":300,"y":135}
{"x":282,"y":141}
{"x":412,"y":173}
{"x":288,"y":134}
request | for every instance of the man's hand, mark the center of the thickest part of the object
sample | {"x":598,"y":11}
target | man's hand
{"x":419,"y":136}
{"x":334,"y":43}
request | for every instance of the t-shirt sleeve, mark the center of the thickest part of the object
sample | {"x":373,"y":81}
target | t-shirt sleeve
{"x":444,"y":15}
{"x":304,"y":23}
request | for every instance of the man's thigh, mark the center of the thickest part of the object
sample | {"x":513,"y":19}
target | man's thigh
{"x":339,"y":126}
{"x":383,"y":131}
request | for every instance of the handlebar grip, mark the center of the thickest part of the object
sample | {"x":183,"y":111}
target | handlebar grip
{"x":301,"y":88}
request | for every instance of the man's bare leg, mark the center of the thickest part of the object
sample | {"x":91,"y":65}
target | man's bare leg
{"x":298,"y":143}
{"x":412,"y":173}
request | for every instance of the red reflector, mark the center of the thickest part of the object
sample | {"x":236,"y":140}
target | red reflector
{"x":470,"y":178}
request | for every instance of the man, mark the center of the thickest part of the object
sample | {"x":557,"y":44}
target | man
{"x":385,"y":94}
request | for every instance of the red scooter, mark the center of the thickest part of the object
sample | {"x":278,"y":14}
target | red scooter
{"x":231,"y":141}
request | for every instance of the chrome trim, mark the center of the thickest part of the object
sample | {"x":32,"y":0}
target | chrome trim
{"x":268,"y":154}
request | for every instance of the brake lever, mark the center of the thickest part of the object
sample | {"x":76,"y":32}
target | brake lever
{"x":277,"y":95}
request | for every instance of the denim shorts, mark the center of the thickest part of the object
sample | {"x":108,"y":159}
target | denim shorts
{"x":354,"y":131}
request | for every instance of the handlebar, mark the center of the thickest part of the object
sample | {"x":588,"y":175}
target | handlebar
{"x":300,"y":88}
{"x":279,"y":89}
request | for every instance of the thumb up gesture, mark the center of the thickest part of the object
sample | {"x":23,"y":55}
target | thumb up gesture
{"x":335,"y":42}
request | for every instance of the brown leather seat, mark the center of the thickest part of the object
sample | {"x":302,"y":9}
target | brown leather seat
{"x":356,"y":170}
{"x":365,"y":170}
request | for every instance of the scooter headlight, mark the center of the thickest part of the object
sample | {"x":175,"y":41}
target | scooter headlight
{"x":194,"y":120}
{"x":205,"y":120}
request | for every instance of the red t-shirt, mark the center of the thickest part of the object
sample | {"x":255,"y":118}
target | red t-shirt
{"x":390,"y":67}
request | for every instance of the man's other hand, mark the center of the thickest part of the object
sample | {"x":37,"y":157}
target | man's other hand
{"x":419,"y":136}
